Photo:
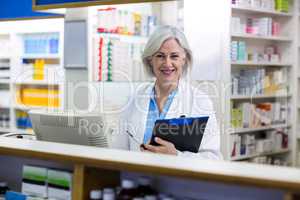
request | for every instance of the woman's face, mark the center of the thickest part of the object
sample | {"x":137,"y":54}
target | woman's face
{"x":168,"y":62}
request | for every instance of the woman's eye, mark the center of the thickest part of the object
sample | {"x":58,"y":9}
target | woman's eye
{"x":174,"y":56}
{"x":159,"y":56}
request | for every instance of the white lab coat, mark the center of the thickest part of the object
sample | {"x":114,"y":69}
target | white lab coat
{"x":188,"y":101}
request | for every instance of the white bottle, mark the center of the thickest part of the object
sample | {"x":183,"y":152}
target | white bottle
{"x":167,"y":198}
{"x":96,"y":195}
{"x":138,"y":198}
{"x":109,"y":196}
{"x":150,"y":197}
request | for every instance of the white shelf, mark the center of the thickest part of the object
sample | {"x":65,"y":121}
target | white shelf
{"x":264,"y":128}
{"x":260,"y":154}
{"x":4,"y":58}
{"x":245,"y":97}
{"x":246,"y":63}
{"x":25,"y":107}
{"x":4,"y":81}
{"x":25,"y":131}
{"x":40,"y":56}
{"x":259,"y":11}
{"x":5,"y":130}
{"x":251,"y":36}
{"x":4,"y":74}
{"x":4,"y":107}
{"x":34,"y":83}
{"x":131,"y":38}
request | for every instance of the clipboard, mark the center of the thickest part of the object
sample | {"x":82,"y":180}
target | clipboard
{"x":185,"y":133}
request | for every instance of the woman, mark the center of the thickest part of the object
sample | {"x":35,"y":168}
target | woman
{"x":167,"y":57}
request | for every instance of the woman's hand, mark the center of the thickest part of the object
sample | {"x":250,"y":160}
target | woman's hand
{"x":164,"y":147}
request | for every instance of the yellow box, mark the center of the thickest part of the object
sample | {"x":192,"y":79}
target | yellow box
{"x":39,"y":97}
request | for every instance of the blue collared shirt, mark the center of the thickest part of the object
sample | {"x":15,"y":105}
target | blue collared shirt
{"x":153,"y":113}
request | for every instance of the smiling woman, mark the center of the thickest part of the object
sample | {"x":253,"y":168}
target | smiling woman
{"x":167,"y":56}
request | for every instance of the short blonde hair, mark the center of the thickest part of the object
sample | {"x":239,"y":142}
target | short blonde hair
{"x":158,"y":37}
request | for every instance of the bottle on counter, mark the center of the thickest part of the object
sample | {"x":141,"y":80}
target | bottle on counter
{"x":3,"y":189}
{"x":96,"y":195}
{"x":144,"y":187}
{"x":128,"y":191}
{"x":108,"y":194}
{"x":168,"y":198}
{"x":150,"y":197}
{"x":138,"y":198}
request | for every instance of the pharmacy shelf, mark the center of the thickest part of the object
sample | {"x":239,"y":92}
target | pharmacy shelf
{"x":40,"y":56}
{"x":23,"y":131}
{"x":5,"y":130}
{"x":265,"y":12}
{"x":35,"y":83}
{"x":4,"y":107}
{"x":4,"y":81}
{"x":283,"y":151}
{"x":251,"y":36}
{"x":247,"y":97}
{"x":25,"y":107}
{"x":263,"y":128}
{"x":3,"y":75}
{"x":130,"y":38}
{"x":245,"y":63}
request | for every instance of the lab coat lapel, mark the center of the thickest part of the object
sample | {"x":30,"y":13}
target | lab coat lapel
{"x":142,"y":103}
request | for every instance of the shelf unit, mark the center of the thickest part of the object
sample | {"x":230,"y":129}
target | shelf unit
{"x":239,"y":158}
{"x":255,"y":44}
{"x":297,"y":82}
{"x":262,"y":128}
{"x":243,"y":63}
{"x":257,"y":37}
{"x":245,"y":97}
{"x":258,"y":11}
{"x":48,"y":34}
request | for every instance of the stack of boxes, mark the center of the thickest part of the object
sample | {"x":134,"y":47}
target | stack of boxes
{"x":259,"y":143}
{"x":282,"y":5}
{"x":118,"y":60}
{"x":113,"y":20}
{"x":43,"y":183}
{"x":38,"y":96}
{"x":250,"y":115}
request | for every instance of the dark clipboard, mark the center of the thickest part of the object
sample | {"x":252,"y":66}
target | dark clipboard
{"x":185,"y":133}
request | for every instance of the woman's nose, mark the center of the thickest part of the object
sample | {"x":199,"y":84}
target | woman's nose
{"x":168,"y":61}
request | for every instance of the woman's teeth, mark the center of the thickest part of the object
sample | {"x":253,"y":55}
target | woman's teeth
{"x":167,"y":71}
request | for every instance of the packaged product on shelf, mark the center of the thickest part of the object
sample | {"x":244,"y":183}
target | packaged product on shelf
{"x":3,"y":189}
{"x":114,"y":20}
{"x":144,"y":187}
{"x":38,"y":96}
{"x":22,"y":120}
{"x":282,"y":5}
{"x":59,"y":184}
{"x":11,"y":195}
{"x":38,"y":69}
{"x":96,"y":195}
{"x":5,"y":102}
{"x":108,"y":194}
{"x":128,"y":190}
{"x":118,"y":60}
{"x":34,"y":181}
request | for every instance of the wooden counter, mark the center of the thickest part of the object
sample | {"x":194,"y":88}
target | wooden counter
{"x":113,"y":161}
